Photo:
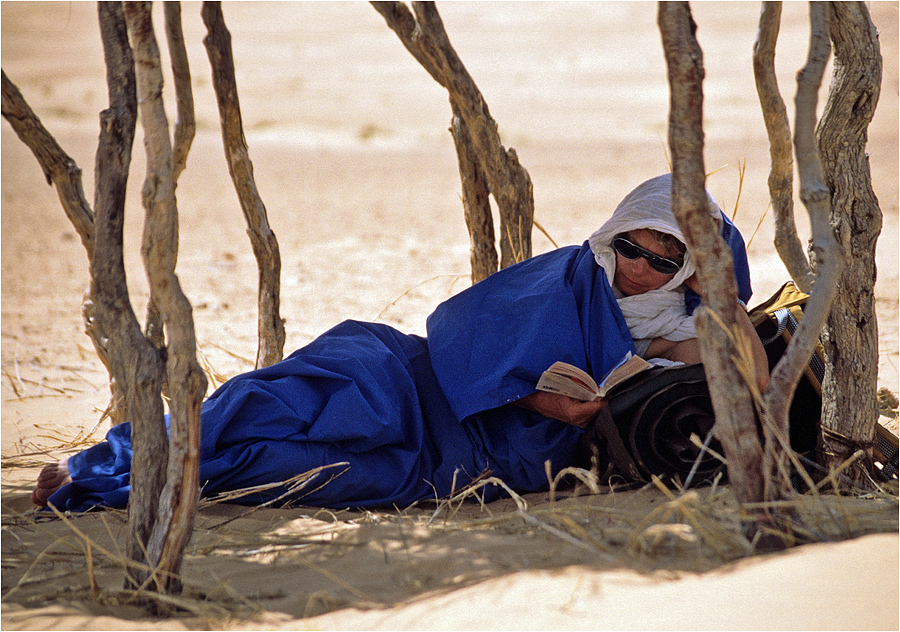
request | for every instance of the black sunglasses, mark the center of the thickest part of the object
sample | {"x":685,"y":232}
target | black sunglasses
{"x":633,"y":251}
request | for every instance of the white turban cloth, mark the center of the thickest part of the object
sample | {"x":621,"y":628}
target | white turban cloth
{"x":658,"y":313}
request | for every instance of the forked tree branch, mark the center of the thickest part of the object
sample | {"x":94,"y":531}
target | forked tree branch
{"x":130,"y":353}
{"x":178,"y":503}
{"x":424,"y":36}
{"x":62,"y":172}
{"x":851,"y":342}
{"x":817,"y":199}
{"x":183,"y":137}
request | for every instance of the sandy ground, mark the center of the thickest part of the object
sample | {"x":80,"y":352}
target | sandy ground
{"x":352,"y":157}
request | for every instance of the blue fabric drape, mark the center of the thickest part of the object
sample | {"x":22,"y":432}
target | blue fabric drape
{"x":406,"y":413}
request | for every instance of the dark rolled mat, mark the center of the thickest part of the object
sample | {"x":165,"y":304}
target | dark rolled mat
{"x":647,"y":425}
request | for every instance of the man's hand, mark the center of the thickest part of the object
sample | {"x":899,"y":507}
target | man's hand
{"x":562,"y":408}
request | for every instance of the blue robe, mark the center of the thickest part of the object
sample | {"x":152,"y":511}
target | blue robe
{"x":412,"y":417}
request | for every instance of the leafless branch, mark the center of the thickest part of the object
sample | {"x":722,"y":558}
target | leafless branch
{"x":851,"y":339}
{"x":817,"y":199}
{"x":781,"y":172}
{"x":59,"y":169}
{"x":476,"y":203}
{"x":270,"y":325}
{"x":424,"y":37}
{"x":185,"y":127}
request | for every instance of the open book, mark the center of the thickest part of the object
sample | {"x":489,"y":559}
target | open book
{"x":566,"y":379}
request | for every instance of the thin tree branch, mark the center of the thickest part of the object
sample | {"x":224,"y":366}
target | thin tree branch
{"x":424,"y":36}
{"x":59,"y":169}
{"x":185,"y":127}
{"x":476,"y":203}
{"x":62,"y":172}
{"x":270,"y":325}
{"x":781,"y":172}
{"x":817,"y":199}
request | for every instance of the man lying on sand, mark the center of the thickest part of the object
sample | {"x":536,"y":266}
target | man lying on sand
{"x":408,"y":418}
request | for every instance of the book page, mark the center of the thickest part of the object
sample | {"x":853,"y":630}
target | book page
{"x":567,"y":379}
{"x":631,"y":366}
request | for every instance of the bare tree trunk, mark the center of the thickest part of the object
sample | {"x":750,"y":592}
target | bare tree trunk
{"x":424,"y":37}
{"x":135,"y":363}
{"x":781,"y":173}
{"x":736,"y":425}
{"x":270,"y":325}
{"x":178,"y":503}
{"x":850,"y":408}
{"x":476,"y":203}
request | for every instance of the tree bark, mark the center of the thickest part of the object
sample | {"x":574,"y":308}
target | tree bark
{"x":59,"y":169}
{"x":185,"y":126}
{"x":476,"y":203}
{"x":850,"y":408}
{"x":424,"y":37}
{"x":270,"y":325}
{"x":735,"y":425}
{"x":178,"y":503}
{"x":135,"y":363}
{"x":776,"y":401}
{"x":778,"y":128}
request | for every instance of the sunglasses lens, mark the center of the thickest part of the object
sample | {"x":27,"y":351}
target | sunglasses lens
{"x":626,"y":248}
{"x":631,"y":251}
{"x":665,"y":266}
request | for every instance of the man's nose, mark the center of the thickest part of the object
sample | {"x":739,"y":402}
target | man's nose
{"x":642,"y":265}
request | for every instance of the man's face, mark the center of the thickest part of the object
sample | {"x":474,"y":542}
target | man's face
{"x":635,"y":276}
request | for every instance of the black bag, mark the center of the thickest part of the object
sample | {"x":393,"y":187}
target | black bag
{"x":775,"y":321}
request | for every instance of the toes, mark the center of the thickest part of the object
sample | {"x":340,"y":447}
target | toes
{"x":40,"y":496}
{"x":52,"y":477}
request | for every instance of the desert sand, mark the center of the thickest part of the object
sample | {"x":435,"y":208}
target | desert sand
{"x":352,"y":157}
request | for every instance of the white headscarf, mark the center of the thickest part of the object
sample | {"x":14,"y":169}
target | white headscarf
{"x":657,"y":313}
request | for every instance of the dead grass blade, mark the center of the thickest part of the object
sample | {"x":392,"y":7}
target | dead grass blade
{"x":247,"y":361}
{"x":294,"y":485}
{"x":12,"y":383}
{"x":215,"y":378}
{"x":546,"y":234}
{"x":590,"y":479}
{"x":455,"y":278}
{"x":742,"y":169}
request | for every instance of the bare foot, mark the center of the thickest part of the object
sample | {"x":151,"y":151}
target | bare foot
{"x":51,"y":478}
